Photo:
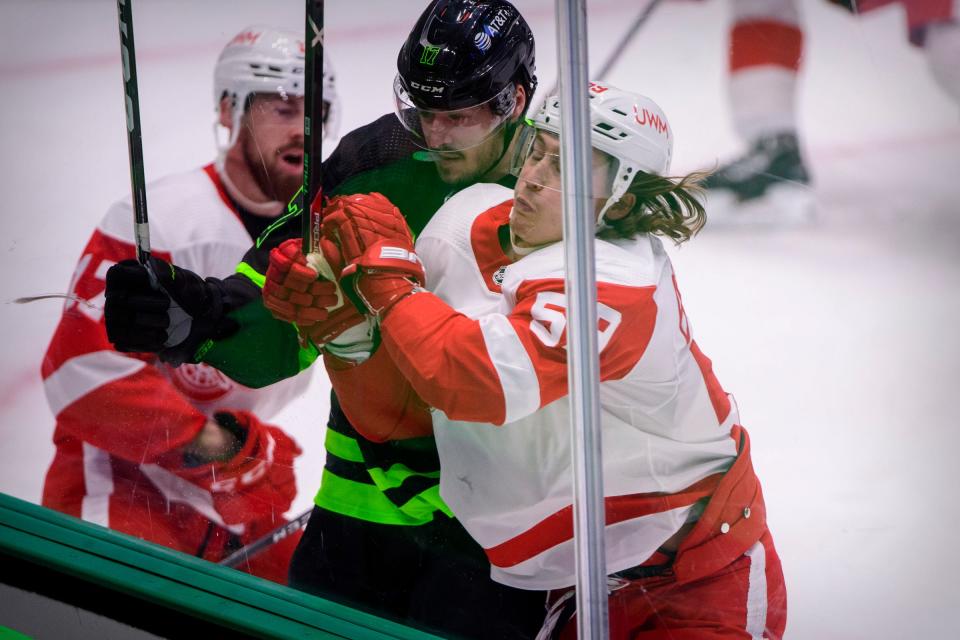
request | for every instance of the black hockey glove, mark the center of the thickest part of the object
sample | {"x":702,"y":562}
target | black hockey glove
{"x":172,"y":320}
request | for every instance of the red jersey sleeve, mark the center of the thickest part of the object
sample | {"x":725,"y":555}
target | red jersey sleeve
{"x":500,"y":368}
{"x":118,"y":402}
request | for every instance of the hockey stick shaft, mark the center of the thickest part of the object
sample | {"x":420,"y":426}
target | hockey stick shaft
{"x":266,"y":541}
{"x":614,"y":56}
{"x":138,"y":189}
{"x":617,"y":51}
{"x":312,"y":124}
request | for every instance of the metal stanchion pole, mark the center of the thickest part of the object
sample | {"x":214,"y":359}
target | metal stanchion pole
{"x":583,"y":365}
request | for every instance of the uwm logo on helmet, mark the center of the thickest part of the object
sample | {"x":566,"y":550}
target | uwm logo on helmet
{"x":247,"y":37}
{"x":652,"y":120}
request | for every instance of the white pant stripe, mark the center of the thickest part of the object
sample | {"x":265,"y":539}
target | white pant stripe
{"x":757,"y":591}
{"x":98,"y":483}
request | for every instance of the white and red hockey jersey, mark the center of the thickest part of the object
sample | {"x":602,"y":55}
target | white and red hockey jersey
{"x":489,"y":348}
{"x":121,"y":418}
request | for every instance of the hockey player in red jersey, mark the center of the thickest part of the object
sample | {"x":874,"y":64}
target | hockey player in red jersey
{"x":183,"y":456}
{"x":770,"y":183}
{"x":689,"y":553}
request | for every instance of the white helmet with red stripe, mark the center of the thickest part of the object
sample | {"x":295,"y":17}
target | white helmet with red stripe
{"x":628,"y":126}
{"x":259,"y":59}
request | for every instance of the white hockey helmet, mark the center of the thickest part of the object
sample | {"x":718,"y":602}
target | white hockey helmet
{"x":625,"y":125}
{"x":259,"y":59}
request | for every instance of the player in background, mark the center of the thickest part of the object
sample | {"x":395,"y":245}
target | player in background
{"x":380,"y":537}
{"x":771,"y":181}
{"x":183,"y":456}
{"x":688,"y":549}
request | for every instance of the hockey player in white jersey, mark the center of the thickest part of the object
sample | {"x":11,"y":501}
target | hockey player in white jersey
{"x":182,"y":456}
{"x":688,"y":548}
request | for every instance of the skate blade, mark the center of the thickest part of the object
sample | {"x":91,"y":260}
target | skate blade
{"x":782,"y":206}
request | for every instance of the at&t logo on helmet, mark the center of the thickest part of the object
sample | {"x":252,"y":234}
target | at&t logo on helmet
{"x":482,"y":40}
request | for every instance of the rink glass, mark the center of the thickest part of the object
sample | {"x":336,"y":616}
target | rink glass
{"x":882,"y":139}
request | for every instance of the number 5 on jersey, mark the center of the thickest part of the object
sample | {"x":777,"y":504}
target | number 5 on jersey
{"x":549,"y":321}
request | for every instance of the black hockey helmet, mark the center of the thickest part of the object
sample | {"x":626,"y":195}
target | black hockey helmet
{"x":462,"y":54}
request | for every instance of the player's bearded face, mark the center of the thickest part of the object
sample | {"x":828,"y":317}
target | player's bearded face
{"x":272,"y":138}
{"x":537,"y":216}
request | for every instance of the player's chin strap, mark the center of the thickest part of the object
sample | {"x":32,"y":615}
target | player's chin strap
{"x":517,"y":249}
{"x":270,"y":208}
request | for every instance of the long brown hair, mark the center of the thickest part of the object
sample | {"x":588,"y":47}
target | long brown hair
{"x":671,"y":207}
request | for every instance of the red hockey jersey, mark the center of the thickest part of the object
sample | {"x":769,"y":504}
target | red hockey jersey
{"x":121,"y":418}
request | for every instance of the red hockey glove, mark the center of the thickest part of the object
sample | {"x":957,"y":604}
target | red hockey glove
{"x":385,"y":274}
{"x":255,"y":483}
{"x":355,"y":223}
{"x":293,"y":290}
{"x":377,"y":247}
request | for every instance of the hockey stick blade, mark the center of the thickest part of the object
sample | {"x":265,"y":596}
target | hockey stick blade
{"x":52,"y":296}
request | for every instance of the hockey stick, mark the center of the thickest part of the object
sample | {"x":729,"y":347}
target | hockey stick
{"x":312,"y":126}
{"x":614,"y":56}
{"x":138,"y":189}
{"x":267,"y":540}
{"x":141,"y":227}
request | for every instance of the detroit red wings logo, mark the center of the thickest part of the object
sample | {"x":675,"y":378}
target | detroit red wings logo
{"x":201,"y":382}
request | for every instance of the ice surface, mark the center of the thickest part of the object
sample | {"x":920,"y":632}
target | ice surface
{"x":839,"y":340}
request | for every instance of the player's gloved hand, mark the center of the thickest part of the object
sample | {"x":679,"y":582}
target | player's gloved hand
{"x":382,"y":277}
{"x":295,"y":292}
{"x":258,"y":480}
{"x":377,"y":248}
{"x":354,"y":223}
{"x":172,"y":320}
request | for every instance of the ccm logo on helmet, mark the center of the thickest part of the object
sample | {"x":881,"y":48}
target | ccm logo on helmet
{"x":426,"y":88}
